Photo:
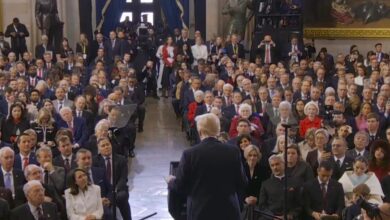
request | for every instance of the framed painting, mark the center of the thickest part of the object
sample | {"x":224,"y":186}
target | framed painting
{"x":335,"y":19}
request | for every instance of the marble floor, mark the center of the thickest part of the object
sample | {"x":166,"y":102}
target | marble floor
{"x":161,"y":142}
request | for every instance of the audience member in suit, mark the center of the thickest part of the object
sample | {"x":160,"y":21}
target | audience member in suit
{"x":61,"y":101}
{"x":79,"y":111}
{"x":103,"y":84}
{"x":95,"y":46}
{"x":56,"y":174}
{"x":43,"y":47}
{"x":25,"y":155}
{"x":4,"y":209}
{"x":16,"y":123}
{"x":234,"y":49}
{"x":339,"y":160}
{"x":322,"y":153}
{"x":104,"y":160}
{"x":5,"y":48}
{"x":113,"y":47}
{"x":34,"y":172}
{"x":183,"y":39}
{"x":270,"y":200}
{"x":36,"y":207}
{"x":6,"y":102}
{"x":267,"y":50}
{"x":361,"y":141}
{"x":11,"y":178}
{"x":232,"y":110}
{"x":66,"y":159}
{"x":18,"y":33}
{"x":81,"y":190}
{"x":226,"y":174}
{"x":188,"y":96}
{"x":373,"y":128}
{"x":294,"y":51}
{"x":76,"y":125}
{"x":97,"y":176}
{"x":296,"y":167}
{"x":323,"y":195}
{"x":285,"y":116}
{"x":136,"y":94}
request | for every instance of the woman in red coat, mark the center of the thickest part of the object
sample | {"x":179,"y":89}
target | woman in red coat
{"x":168,"y":56}
{"x":312,"y":119}
{"x":245,"y":111}
{"x":199,"y":96}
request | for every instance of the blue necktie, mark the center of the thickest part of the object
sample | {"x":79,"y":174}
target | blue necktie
{"x":7,"y":181}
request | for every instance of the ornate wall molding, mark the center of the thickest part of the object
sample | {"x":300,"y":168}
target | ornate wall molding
{"x":342,"y":33}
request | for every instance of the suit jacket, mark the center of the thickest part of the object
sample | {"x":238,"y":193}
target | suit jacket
{"x":40,"y":50}
{"x":212,"y":177}
{"x":19,"y":181}
{"x":121,"y":169}
{"x":313,"y":201}
{"x":59,"y":162}
{"x":57,"y":179}
{"x":23,"y":212}
{"x":353,"y":154}
{"x":188,"y":41}
{"x":18,"y":160}
{"x":100,"y":179}
{"x":6,"y":48}
{"x":65,"y":103}
{"x":138,"y":95}
{"x":188,"y":97}
{"x":261,"y":53}
{"x":229,"y":112}
{"x":339,"y":171}
{"x":113,"y":51}
{"x":18,"y":42}
{"x":80,"y":130}
{"x":312,"y":160}
{"x":240,"y":51}
{"x":89,"y":120}
{"x":288,"y":49}
{"x":4,"y":209}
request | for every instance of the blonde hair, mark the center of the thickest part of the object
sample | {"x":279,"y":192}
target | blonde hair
{"x":251,"y":148}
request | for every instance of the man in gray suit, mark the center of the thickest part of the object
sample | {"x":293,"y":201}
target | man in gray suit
{"x":56,"y":176}
{"x":61,"y":100}
{"x":361,"y":141}
{"x":273,"y":109}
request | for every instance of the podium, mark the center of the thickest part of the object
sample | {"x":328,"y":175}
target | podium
{"x":177,"y":203}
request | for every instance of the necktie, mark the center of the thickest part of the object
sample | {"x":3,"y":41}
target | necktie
{"x":338,"y":163}
{"x":237,"y":109}
{"x":32,"y":81}
{"x":25,"y":162}
{"x":70,"y":126}
{"x":276,"y":112}
{"x":67,"y":165}
{"x":359,"y":154}
{"x":60,"y":106}
{"x":40,"y":73}
{"x":78,"y":113}
{"x":40,"y":214}
{"x":323,"y":191}
{"x":90,"y":177}
{"x":49,"y":65}
{"x":7,"y":181}
{"x":267,"y":54}
{"x":108,"y":168}
{"x":372,"y":137}
{"x":113,"y":43}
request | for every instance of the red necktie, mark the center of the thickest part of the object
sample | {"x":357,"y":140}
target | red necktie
{"x":25,"y":162}
{"x":267,"y":54}
{"x":237,"y":109}
{"x":40,"y":73}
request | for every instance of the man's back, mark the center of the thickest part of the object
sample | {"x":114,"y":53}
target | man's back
{"x":211,"y":175}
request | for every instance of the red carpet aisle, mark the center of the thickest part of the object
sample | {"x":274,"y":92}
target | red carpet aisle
{"x":161,"y":142}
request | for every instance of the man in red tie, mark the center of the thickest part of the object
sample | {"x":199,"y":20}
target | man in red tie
{"x":266,"y":50}
{"x":25,"y":155}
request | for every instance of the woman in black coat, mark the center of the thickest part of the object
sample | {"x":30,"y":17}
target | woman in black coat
{"x":15,"y":124}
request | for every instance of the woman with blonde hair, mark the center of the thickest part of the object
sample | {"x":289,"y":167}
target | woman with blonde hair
{"x":46,"y":128}
{"x":361,"y":119}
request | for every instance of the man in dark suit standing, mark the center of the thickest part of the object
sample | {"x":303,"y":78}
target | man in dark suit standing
{"x":4,"y":45}
{"x":267,"y":50}
{"x":339,"y":160}
{"x":293,"y":51}
{"x":43,"y":47}
{"x":235,"y":50}
{"x":113,"y":47}
{"x":118,"y":179}
{"x":18,"y":33}
{"x":80,"y":112}
{"x":36,"y":208}
{"x":219,"y":195}
{"x":323,"y":196}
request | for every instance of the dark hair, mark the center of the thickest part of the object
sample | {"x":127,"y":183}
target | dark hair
{"x":10,"y":117}
{"x":244,"y":120}
{"x":243,"y":136}
{"x":386,"y":151}
{"x":64,"y":132}
{"x":295,"y":147}
{"x":20,"y":136}
{"x":361,"y":159}
{"x":71,"y":181}
{"x":326,"y":165}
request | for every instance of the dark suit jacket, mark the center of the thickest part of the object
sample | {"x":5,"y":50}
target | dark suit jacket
{"x":138,"y":95}
{"x":113,"y":51}
{"x":40,"y":50}
{"x":23,"y":212}
{"x":59,"y":162}
{"x":80,"y":130}
{"x":312,"y":160}
{"x":352,"y":154}
{"x":212,"y":177}
{"x":288,"y":49}
{"x":313,"y":201}
{"x":4,"y":209}
{"x":188,"y":97}
{"x":261,"y":53}
{"x":339,"y":171}
{"x":120,"y":164}
{"x":229,"y":112}
{"x":386,"y":188}
{"x":18,"y":42}
{"x":19,"y":181}
{"x":100,"y":179}
{"x":230,"y":51}
{"x":18,"y":160}
{"x":89,"y":120}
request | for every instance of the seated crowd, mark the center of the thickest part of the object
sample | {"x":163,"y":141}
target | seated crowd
{"x":338,"y":109}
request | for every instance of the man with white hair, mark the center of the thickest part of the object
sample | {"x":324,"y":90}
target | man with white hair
{"x":36,"y":205}
{"x":227,"y":95}
{"x":271,"y":198}
{"x":217,"y":196}
{"x":10,"y":178}
{"x":75,"y":124}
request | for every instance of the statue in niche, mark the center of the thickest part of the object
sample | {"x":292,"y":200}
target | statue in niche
{"x":48,"y":21}
{"x":237,"y":9}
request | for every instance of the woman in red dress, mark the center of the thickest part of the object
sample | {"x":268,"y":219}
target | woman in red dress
{"x":312,"y":119}
{"x":245,"y":111}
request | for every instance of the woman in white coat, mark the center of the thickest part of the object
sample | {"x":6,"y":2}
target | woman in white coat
{"x":83,"y":200}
